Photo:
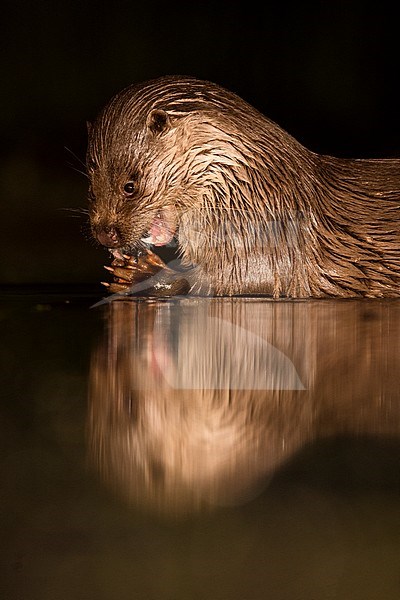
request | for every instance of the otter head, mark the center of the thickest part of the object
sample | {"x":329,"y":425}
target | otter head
{"x":134,"y":183}
{"x":165,"y":153}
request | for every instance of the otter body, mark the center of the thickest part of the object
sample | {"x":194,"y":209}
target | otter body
{"x":252,"y":210}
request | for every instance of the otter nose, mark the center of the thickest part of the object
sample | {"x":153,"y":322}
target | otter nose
{"x":109,"y":237}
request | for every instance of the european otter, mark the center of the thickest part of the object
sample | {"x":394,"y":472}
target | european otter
{"x":252,"y":210}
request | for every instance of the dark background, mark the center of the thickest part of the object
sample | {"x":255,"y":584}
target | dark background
{"x":326,"y":72}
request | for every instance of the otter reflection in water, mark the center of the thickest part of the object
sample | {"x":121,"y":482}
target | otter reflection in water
{"x":197,"y":402}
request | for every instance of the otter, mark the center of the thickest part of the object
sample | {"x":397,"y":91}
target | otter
{"x":252,"y":210}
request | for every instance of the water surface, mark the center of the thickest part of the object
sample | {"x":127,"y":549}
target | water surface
{"x":199,"y":448}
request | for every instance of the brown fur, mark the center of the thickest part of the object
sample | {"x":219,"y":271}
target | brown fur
{"x":257,"y":213}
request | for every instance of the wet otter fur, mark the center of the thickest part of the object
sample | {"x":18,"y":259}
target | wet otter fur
{"x":252,"y":210}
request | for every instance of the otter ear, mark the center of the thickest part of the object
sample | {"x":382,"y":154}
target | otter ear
{"x":158,"y":121}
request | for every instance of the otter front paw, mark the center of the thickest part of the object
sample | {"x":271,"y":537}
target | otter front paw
{"x":146,"y":274}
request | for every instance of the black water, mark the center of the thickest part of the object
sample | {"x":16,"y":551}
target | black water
{"x":199,"y":449}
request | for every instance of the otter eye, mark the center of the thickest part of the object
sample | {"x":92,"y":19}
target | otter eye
{"x":129,"y":188}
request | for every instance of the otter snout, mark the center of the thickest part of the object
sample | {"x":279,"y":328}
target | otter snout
{"x":108,"y":236}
